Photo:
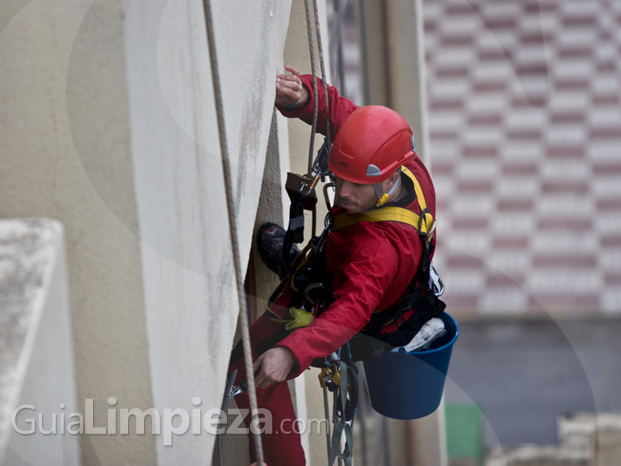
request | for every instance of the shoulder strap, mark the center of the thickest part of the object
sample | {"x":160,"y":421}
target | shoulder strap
{"x":423,"y":223}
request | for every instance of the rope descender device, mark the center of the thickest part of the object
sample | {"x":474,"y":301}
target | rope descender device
{"x":301,"y":188}
{"x":301,"y":191}
{"x":330,"y":376}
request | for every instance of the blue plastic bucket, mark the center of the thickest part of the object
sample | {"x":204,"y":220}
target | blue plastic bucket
{"x":410,"y":385}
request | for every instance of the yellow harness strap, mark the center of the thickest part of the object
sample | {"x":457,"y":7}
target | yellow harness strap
{"x":423,"y":223}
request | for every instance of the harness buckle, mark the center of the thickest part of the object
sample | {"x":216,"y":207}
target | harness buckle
{"x":429,"y":234}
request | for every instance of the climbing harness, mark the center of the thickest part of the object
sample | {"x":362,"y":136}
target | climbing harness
{"x":426,"y":286}
{"x":301,"y":296}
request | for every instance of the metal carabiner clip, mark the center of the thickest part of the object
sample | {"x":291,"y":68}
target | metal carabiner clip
{"x":309,"y":289}
{"x":436,"y":282}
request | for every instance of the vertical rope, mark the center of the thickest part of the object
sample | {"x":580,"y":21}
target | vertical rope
{"x":312,"y":143}
{"x":364,"y":53}
{"x":217,"y":454}
{"x":336,"y":48}
{"x":326,"y":409}
{"x":311,"y":49}
{"x":232,"y":219}
{"x":323,"y":68}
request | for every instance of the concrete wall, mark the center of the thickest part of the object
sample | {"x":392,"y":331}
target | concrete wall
{"x":187,"y":258}
{"x":37,"y":384}
{"x":107,"y":123}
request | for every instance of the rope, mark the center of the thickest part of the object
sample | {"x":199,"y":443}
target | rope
{"x":341,"y":428}
{"x":232,"y":219}
{"x":323,"y":68}
{"x":336,"y":46}
{"x":311,"y":49}
{"x":326,"y":409}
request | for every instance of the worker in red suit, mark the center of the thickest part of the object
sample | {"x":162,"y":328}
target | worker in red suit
{"x":372,"y":265}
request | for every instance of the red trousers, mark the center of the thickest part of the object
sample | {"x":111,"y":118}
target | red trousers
{"x":281,"y":447}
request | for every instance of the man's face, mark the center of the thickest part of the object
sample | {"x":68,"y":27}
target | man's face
{"x":354,"y":197}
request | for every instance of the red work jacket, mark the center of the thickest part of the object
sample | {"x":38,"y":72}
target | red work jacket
{"x":371,"y":263}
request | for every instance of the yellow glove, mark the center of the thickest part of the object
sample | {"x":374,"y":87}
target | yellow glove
{"x":301,"y":318}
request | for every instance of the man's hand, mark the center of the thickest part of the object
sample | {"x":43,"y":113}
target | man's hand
{"x":290,"y":92}
{"x":273,"y":366}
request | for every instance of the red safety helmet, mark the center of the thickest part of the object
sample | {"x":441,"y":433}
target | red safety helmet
{"x":371,"y":144}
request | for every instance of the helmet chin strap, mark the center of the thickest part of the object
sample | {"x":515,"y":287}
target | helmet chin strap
{"x":382,"y":197}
